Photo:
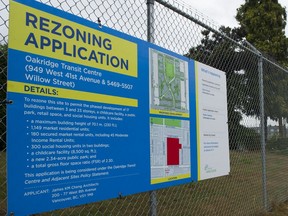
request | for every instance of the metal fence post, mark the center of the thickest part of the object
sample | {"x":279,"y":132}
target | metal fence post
{"x":153,"y":203}
{"x":262,"y":128}
{"x":150,"y":38}
{"x":150,"y":20}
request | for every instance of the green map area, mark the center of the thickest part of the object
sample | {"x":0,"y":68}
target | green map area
{"x":169,"y":77}
{"x":167,"y":122}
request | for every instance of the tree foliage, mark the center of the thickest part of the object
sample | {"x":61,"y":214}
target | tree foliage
{"x":263,"y":23}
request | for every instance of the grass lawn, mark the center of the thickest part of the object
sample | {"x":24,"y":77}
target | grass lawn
{"x":240,"y":193}
{"x":3,"y":193}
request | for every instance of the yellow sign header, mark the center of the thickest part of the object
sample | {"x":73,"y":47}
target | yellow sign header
{"x":41,"y":33}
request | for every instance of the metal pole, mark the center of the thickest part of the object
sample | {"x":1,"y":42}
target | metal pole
{"x":153,"y":203}
{"x":150,"y":38}
{"x":150,"y":21}
{"x":262,"y":126}
{"x":262,"y":119}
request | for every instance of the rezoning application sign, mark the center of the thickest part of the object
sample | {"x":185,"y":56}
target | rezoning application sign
{"x":98,"y":114}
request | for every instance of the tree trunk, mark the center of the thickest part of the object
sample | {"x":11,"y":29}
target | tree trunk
{"x":280,"y":127}
{"x":265,"y":127}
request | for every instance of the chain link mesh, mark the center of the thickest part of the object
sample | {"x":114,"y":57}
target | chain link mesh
{"x":276,"y":107}
{"x":240,"y":193}
{"x":4,"y":11}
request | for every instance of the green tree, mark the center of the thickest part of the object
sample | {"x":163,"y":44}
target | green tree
{"x":3,"y":80}
{"x":262,"y":23}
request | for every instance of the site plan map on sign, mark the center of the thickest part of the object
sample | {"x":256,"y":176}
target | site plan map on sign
{"x":168,"y":85}
{"x":169,"y":149}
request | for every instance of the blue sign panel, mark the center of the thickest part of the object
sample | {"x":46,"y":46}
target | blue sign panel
{"x":89,"y":104}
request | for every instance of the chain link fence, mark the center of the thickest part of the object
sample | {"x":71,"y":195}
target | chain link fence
{"x":258,"y":175}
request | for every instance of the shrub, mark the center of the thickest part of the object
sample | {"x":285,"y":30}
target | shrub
{"x":277,"y":144}
{"x":243,"y":138}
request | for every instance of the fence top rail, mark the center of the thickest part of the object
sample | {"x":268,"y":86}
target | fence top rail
{"x":166,"y":4}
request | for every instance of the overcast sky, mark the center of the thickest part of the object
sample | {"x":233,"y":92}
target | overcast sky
{"x":223,"y":12}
